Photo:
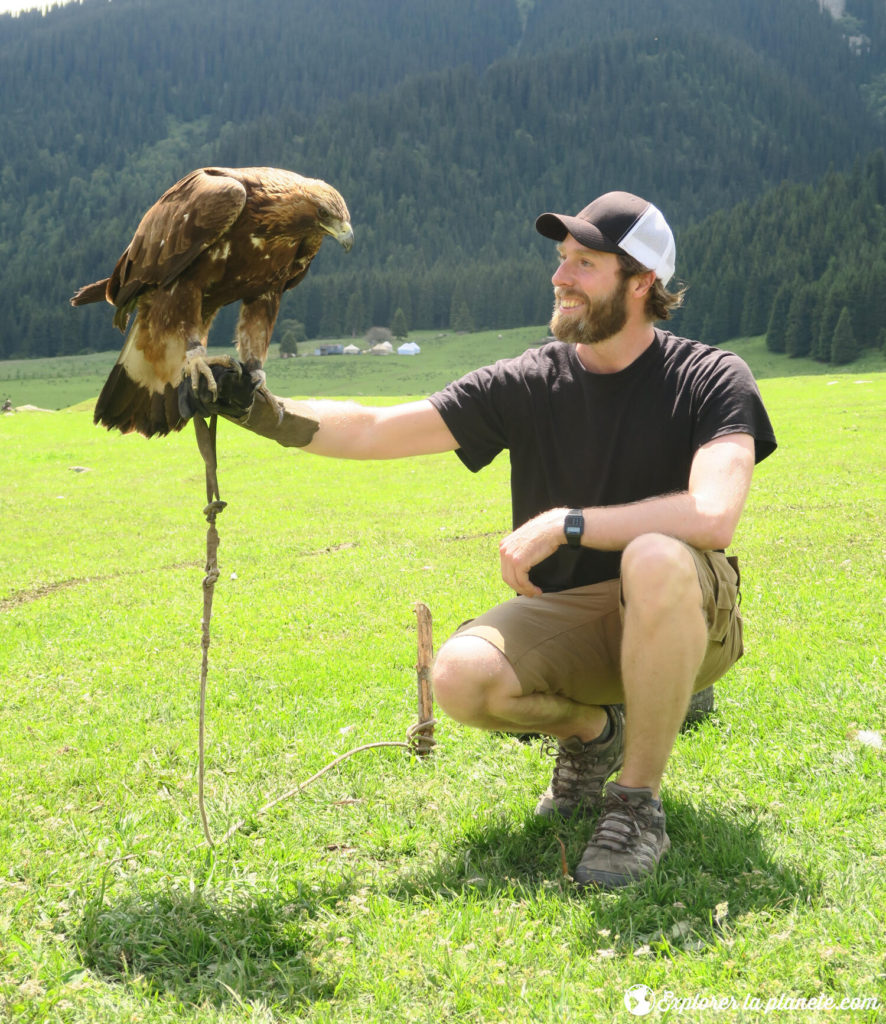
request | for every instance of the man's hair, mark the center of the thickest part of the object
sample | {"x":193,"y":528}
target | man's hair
{"x":659,"y":301}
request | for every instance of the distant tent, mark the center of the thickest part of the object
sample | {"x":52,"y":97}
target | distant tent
{"x":408,"y":348}
{"x":384,"y":348}
{"x":350,"y":350}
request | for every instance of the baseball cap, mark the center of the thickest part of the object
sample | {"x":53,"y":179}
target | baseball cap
{"x":619,"y":222}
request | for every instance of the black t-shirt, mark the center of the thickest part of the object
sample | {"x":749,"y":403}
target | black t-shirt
{"x":581,"y":439}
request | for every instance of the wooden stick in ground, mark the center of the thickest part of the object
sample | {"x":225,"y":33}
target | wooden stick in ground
{"x":422,"y":733}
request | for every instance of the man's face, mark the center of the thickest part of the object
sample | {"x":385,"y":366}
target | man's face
{"x":590,"y":303}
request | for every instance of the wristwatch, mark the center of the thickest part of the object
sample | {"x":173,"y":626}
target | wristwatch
{"x":574,"y":527}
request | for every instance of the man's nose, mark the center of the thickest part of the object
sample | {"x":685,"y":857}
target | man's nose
{"x":561,"y":275}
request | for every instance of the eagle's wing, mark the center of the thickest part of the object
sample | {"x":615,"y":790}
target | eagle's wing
{"x":184,"y":222}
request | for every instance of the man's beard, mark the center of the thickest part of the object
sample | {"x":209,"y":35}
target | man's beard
{"x":600,"y":320}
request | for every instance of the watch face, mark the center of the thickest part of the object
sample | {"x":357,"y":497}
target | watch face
{"x":573,"y":528}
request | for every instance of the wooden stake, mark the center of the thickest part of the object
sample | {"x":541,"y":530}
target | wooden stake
{"x":422,"y":733}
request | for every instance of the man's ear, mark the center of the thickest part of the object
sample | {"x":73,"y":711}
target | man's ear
{"x":642,"y":283}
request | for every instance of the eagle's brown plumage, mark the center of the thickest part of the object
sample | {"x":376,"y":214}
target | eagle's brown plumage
{"x":220,"y":235}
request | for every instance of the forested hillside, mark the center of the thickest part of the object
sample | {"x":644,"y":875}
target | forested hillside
{"x":790,"y":263}
{"x":448,"y":128}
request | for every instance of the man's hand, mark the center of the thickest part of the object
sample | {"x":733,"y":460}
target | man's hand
{"x":528,"y":545}
{"x":235,"y":393}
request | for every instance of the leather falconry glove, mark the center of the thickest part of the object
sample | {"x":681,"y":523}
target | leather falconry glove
{"x":235,"y":393}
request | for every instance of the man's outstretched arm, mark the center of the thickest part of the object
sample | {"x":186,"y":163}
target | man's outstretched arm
{"x":348,"y":430}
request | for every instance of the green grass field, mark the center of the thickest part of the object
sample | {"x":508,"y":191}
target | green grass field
{"x":395,"y":889}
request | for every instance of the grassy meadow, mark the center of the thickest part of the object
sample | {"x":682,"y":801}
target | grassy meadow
{"x":396,"y":889}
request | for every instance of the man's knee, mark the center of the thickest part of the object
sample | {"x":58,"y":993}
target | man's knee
{"x":658,"y":572}
{"x":469,"y":676}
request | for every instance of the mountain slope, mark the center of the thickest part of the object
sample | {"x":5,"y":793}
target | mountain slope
{"x":447,"y":127}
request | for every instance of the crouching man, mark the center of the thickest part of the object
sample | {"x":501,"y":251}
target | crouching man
{"x":631,"y":458}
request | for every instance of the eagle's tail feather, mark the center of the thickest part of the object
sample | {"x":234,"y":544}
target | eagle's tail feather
{"x":128,"y":406}
{"x":95,"y":292}
{"x":140,"y":395}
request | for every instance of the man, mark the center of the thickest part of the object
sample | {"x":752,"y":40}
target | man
{"x":631,"y":458}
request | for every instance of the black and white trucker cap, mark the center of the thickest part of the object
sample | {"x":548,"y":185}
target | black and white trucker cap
{"x":618,"y":222}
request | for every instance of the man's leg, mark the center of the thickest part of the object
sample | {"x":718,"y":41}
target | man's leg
{"x":560,"y":673}
{"x":663,"y":646}
{"x":475,"y":684}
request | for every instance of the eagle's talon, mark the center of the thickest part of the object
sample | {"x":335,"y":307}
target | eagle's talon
{"x":259,"y":378}
{"x":272,"y":400}
{"x":197,"y":368}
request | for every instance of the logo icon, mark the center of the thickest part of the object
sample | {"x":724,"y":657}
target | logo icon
{"x":639,"y":1000}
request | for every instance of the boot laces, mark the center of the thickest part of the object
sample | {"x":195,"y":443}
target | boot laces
{"x":620,"y":824}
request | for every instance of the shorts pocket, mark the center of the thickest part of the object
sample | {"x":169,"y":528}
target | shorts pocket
{"x":724,"y":610}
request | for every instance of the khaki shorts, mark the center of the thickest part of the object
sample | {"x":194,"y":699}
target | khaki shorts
{"x":569,"y":643}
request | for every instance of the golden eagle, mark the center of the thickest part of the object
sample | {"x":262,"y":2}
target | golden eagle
{"x":220,"y":235}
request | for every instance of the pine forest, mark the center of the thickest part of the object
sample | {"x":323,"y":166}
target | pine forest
{"x":757,"y":127}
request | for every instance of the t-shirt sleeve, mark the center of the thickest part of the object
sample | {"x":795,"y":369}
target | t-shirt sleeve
{"x":729,"y":402}
{"x":471,"y":408}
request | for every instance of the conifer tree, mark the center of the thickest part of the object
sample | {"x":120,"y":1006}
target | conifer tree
{"x":843,"y":347}
{"x":290,"y":333}
{"x":755,"y":307}
{"x":355,"y":315}
{"x":398,"y":324}
{"x":798,"y":334}
{"x":460,"y":318}
{"x":827,"y":323}
{"x":778,"y":318}
{"x":402,"y":302}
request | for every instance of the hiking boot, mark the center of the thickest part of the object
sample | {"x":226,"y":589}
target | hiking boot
{"x":627,"y":843}
{"x":581,"y":769}
{"x":701,"y":705}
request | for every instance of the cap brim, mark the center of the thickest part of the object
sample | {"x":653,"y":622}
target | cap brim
{"x":557,"y":226}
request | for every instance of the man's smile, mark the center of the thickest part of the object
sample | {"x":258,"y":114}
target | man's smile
{"x":567,"y":303}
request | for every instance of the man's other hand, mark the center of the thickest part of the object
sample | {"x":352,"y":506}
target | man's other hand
{"x":528,"y":545}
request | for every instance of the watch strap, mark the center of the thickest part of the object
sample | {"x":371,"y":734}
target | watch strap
{"x":574,"y":527}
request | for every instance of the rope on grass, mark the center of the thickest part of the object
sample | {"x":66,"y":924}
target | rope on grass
{"x":419,"y":736}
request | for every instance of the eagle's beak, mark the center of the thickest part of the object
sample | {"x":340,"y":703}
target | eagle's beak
{"x":342,"y":232}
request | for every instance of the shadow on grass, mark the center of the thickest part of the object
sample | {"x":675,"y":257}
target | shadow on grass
{"x":716,"y":860}
{"x":199,"y":950}
{"x":196,"y":949}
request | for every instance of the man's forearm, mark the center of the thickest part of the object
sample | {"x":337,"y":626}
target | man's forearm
{"x":704,"y":516}
{"x":295,"y":429}
{"x":336,"y":428}
{"x":678,"y":515}
{"x":348,"y":430}
{"x":606,"y":528}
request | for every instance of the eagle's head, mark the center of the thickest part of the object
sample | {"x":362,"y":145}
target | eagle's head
{"x":332,"y":213}
{"x":291,"y":204}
